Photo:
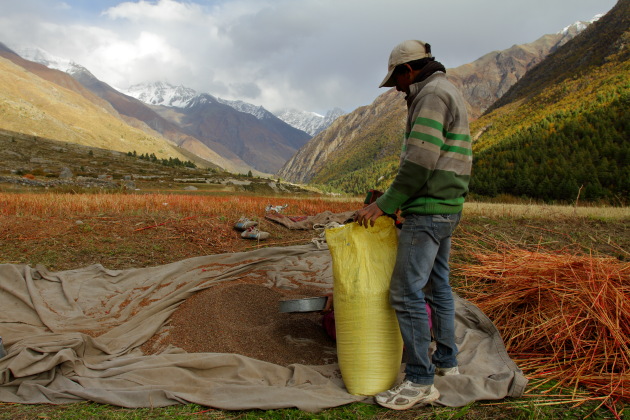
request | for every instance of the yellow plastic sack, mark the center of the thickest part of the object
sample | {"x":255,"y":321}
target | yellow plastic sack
{"x":369,"y":344}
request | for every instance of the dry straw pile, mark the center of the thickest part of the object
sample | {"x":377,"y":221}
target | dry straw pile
{"x":565,"y":319}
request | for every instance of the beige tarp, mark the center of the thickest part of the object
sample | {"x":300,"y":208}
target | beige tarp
{"x":75,"y":335}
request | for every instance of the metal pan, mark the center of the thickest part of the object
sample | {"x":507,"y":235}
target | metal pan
{"x":303,"y":305}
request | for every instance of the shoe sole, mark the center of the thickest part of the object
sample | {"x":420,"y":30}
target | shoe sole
{"x":432,"y":397}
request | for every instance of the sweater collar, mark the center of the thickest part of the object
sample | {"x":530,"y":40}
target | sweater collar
{"x":415,"y":88}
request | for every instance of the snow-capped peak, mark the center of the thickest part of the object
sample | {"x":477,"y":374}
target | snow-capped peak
{"x":257,"y":111}
{"x":310,"y":122}
{"x":45,"y":58}
{"x":165,"y":94}
{"x":580,"y":25}
{"x":162,"y":93}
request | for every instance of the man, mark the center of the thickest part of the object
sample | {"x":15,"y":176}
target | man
{"x":429,"y":190}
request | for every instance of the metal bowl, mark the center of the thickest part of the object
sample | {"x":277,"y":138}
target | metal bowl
{"x":303,"y":305}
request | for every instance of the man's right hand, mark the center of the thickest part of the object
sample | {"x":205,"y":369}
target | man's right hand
{"x":367,"y":215}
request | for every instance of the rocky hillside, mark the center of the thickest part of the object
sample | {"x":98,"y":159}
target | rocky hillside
{"x":368,"y":134}
{"x":325,"y":157}
{"x":487,"y":79}
{"x":264,"y":144}
{"x":558,"y":132}
{"x":33,"y":163}
{"x":34,"y":105}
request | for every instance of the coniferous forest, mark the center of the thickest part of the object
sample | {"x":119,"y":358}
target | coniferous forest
{"x":569,"y":153}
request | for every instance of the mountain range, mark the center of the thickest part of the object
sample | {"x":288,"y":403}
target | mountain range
{"x":549,"y":121}
{"x":40,"y":101}
{"x":240,"y":137}
{"x":194,"y":120}
{"x":481,"y":82}
{"x":165,"y":94}
{"x":233,"y":135}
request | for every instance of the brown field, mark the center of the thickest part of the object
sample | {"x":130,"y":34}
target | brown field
{"x":64,"y":231}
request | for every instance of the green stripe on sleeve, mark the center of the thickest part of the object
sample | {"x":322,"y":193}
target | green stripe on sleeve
{"x":462,"y":137}
{"x":457,"y":149}
{"x":427,"y":137}
{"x":427,"y":122}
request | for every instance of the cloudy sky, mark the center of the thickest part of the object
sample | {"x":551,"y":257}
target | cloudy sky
{"x":309,"y":54}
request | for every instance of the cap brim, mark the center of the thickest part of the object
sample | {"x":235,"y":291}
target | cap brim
{"x":387,"y":81}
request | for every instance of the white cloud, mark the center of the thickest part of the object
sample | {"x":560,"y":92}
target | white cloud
{"x":164,"y":11}
{"x":309,"y":54}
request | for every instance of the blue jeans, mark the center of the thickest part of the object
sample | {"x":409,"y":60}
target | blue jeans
{"x":421,"y":275}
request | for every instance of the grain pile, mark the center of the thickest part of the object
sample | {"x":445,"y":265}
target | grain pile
{"x":243,"y":318}
{"x":565,"y":318}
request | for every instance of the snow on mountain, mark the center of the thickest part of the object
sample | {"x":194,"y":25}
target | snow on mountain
{"x":257,"y":111}
{"x":331,"y":116}
{"x":303,"y":120}
{"x":40,"y":56}
{"x":201,"y":99}
{"x":162,"y":93}
{"x":579,"y":26}
{"x":310,"y":122}
{"x":165,"y":94}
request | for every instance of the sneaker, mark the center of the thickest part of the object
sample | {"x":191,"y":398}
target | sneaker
{"x":406,"y":395}
{"x":447,"y":371}
{"x":254,"y":233}
{"x":244,"y":223}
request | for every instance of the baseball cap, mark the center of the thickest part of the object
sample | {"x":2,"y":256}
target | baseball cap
{"x":405,"y":52}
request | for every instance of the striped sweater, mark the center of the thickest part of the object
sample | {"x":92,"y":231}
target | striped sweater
{"x":436,"y":158}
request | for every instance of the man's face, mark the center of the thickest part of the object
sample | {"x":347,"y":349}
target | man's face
{"x":403,"y":77}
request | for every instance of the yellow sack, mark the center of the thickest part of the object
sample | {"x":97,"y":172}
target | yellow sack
{"x":369,"y":344}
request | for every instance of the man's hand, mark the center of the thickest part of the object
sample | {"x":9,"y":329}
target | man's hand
{"x":329,"y":303}
{"x":368,"y":214}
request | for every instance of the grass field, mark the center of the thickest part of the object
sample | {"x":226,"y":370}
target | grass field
{"x":124,"y":230}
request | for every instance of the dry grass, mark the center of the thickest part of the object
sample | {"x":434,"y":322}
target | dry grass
{"x":66,"y":231}
{"x":175,"y":205}
{"x":542,"y":211}
{"x":50,"y":204}
{"x":565,"y":318}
